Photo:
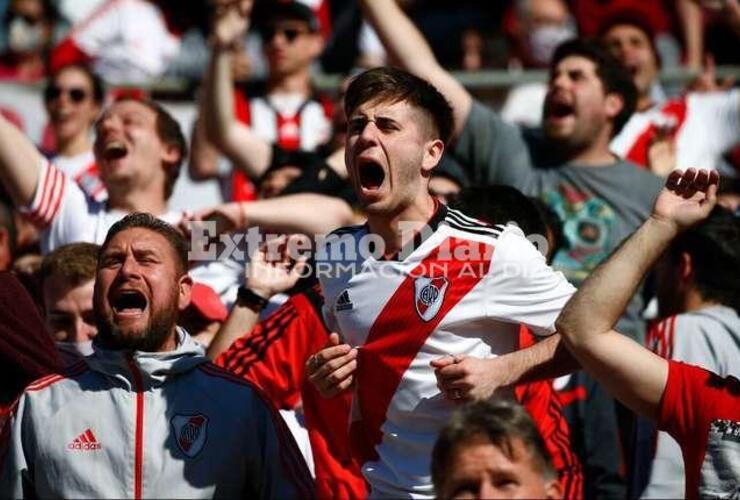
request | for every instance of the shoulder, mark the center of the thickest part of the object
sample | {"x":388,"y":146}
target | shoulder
{"x":470,"y":226}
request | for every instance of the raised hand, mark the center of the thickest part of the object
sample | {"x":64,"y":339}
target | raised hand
{"x":231,"y":21}
{"x":687,"y":198}
{"x":272,"y":270}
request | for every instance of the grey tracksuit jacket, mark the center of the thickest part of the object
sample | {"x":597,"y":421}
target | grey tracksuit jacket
{"x":145,"y":425}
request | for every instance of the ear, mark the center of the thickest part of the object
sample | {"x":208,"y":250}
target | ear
{"x":5,"y":257}
{"x":685,"y":267}
{"x":170,"y":154}
{"x":317,"y":45}
{"x":184,"y":289}
{"x":553,"y":489}
{"x":613,"y":105}
{"x":433,"y":151}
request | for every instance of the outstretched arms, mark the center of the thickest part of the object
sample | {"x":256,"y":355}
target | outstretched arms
{"x":407,"y":47}
{"x":633,"y":374}
{"x":20,"y":164}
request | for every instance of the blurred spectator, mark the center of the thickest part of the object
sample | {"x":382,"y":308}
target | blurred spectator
{"x":492,"y":449}
{"x":699,"y":299}
{"x":285,"y":112}
{"x":126,"y":41}
{"x":671,"y":21}
{"x":693,"y":130}
{"x":73,"y":97}
{"x":535,"y":28}
{"x":67,"y":278}
{"x":447,"y":180}
{"x":26,"y":349}
{"x":30,"y":26}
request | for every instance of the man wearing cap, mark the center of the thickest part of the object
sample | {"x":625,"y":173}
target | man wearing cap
{"x":285,"y":112}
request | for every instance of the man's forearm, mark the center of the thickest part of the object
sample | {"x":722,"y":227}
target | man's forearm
{"x":20,"y":163}
{"x":547,"y":359}
{"x":241,"y":320}
{"x":600,"y":301}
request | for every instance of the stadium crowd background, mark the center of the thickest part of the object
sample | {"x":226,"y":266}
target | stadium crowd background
{"x":62,"y":61}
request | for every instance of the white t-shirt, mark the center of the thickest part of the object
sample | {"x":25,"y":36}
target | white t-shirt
{"x":66,"y":215}
{"x":706,"y":126}
{"x":83,"y":169}
{"x":464,"y":289}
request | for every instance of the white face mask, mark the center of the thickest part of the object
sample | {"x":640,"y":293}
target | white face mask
{"x":545,"y":39}
{"x":24,"y":37}
{"x":75,"y":349}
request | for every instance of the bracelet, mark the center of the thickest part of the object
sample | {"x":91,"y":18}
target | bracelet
{"x":250,"y":299}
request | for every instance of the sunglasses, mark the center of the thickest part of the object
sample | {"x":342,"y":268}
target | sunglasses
{"x":76,"y":94}
{"x":290,"y":34}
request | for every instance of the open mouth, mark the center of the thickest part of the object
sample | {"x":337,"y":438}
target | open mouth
{"x":114,"y":150}
{"x":557,"y":108}
{"x":371,"y":175}
{"x":129,"y":302}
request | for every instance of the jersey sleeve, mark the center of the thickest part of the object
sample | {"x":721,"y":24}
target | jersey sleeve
{"x":521,"y":287}
{"x":493,"y":151}
{"x":59,"y":208}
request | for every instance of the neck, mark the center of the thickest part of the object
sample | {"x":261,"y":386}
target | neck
{"x":297,"y":83}
{"x":170,"y":344}
{"x":137,"y":200}
{"x":694,"y":301}
{"x":399,"y":229}
{"x":74,"y":146}
{"x":644,"y":102}
{"x":595,"y":154}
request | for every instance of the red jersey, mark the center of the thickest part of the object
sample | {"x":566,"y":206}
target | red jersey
{"x":701,"y":411}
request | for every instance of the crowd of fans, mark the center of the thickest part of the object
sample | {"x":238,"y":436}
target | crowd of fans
{"x":151,"y":348}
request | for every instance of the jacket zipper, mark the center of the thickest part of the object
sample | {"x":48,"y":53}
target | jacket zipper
{"x":139,"y":433}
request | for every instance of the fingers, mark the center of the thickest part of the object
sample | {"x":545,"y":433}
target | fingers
{"x":442,"y":362}
{"x":335,"y":375}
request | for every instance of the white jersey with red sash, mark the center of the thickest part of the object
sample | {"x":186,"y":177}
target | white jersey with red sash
{"x":288,"y":120}
{"x":704,"y":127}
{"x":464,"y":288}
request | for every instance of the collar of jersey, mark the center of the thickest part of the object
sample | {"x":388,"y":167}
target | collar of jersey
{"x":440,"y":212}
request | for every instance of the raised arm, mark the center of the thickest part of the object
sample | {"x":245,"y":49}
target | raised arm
{"x":20,"y":163}
{"x":633,"y":374}
{"x":234,"y":139}
{"x":407,"y":47}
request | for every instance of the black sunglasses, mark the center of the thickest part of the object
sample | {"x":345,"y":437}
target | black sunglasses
{"x":290,"y":34}
{"x":54,"y":92}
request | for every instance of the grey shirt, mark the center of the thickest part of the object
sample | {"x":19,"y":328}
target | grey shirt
{"x":599,"y":206}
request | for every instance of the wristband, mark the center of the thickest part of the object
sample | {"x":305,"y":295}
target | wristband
{"x":250,"y":299}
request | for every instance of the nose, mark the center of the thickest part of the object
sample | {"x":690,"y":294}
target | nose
{"x":130,"y":267}
{"x":108,"y":123}
{"x":369,"y":133}
{"x":83,"y":331}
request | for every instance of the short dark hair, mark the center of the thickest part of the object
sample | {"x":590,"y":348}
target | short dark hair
{"x":714,"y":247}
{"x":393,"y":85}
{"x":170,"y":133}
{"x":631,"y":17}
{"x":613,"y":75}
{"x":76,"y":263}
{"x":148,"y":221}
{"x":498,"y":421}
{"x":98,"y":88}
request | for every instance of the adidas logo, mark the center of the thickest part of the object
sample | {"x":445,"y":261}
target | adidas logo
{"x":85,"y":442}
{"x":343,"y":302}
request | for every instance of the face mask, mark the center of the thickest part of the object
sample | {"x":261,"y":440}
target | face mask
{"x":24,"y":37}
{"x":76,"y":349}
{"x":544,"y":40}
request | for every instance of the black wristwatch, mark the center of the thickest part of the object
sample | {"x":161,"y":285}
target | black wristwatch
{"x":250,"y":299}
